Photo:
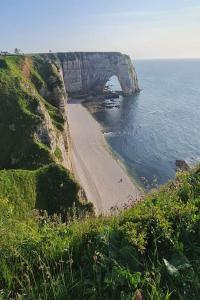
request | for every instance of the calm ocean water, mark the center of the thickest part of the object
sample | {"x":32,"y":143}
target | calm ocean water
{"x":149,"y":131}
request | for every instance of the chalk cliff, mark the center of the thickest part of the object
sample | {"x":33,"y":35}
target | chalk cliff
{"x":88,"y":72}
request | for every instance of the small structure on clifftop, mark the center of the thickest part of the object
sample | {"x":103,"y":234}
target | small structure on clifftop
{"x":3,"y":53}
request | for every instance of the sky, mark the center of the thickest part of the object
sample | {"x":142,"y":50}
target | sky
{"x":140,"y":28}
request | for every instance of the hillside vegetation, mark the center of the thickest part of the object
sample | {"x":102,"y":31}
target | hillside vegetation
{"x":19,"y":117}
{"x":31,"y":130}
{"x":51,"y":188}
{"x":150,"y":251}
{"x":51,"y":245}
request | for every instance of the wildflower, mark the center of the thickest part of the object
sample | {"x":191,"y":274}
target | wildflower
{"x":138,"y":295}
{"x":95,"y":258}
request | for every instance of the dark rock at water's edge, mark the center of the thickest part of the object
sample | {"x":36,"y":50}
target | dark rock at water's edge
{"x":181,"y":165}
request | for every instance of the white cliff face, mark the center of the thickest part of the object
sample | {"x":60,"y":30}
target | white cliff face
{"x":87,"y":72}
{"x":46,"y":132}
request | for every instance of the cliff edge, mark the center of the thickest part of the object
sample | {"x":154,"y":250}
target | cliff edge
{"x":35,"y":144}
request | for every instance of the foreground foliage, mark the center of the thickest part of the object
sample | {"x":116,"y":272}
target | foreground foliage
{"x":150,"y":251}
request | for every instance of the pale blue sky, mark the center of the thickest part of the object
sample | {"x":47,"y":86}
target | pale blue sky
{"x":140,"y":28}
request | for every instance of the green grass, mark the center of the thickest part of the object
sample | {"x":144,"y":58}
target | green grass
{"x":51,"y":188}
{"x":19,"y":119}
{"x":58,"y":153}
{"x":151,"y":249}
{"x":20,"y":95}
{"x":19,"y":188}
{"x":56,"y":117}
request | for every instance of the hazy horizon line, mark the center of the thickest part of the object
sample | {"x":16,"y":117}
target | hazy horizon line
{"x":163,"y":58}
{"x":132,"y":56}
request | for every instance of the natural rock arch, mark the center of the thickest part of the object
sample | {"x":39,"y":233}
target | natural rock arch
{"x":113,"y":84}
{"x":88,"y":72}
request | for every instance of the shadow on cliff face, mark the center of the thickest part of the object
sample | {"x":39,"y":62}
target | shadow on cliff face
{"x":57,"y":191}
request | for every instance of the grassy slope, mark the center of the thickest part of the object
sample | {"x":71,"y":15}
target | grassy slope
{"x":19,"y":188}
{"x":51,"y":188}
{"x":24,"y":179}
{"x":18,"y":119}
{"x":151,"y":250}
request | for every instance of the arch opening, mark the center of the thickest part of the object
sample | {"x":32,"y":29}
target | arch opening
{"x":113,"y":85}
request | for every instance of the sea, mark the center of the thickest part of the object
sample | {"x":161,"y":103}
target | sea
{"x":149,"y":131}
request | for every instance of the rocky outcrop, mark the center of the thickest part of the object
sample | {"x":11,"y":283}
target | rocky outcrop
{"x":87,"y":72}
{"x":182,"y":165}
{"x":53,"y":89}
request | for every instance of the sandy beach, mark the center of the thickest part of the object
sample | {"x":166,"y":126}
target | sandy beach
{"x":104,"y":180}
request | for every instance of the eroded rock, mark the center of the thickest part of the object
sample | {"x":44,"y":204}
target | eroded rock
{"x":181,"y":165}
{"x":88,"y":72}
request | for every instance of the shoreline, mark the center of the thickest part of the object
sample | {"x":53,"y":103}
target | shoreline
{"x":103,"y":177}
{"x":113,"y":153}
{"x":117,"y":158}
